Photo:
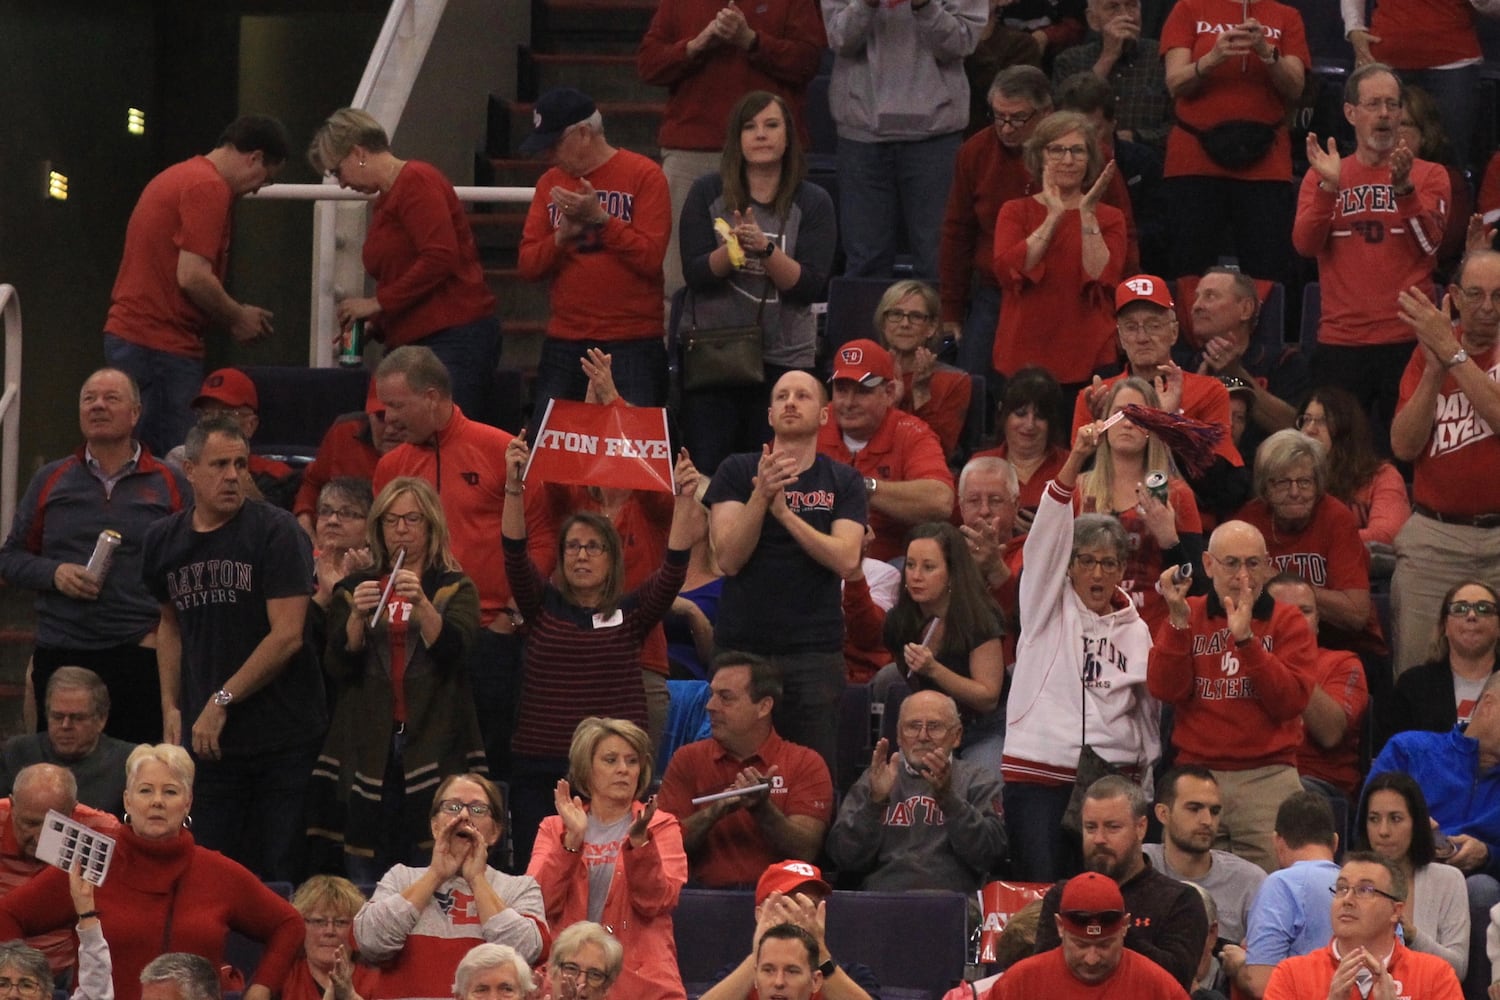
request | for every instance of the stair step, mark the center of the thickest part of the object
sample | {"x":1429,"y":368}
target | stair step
{"x":523,"y":346}
{"x":592,"y":25}
{"x":498,"y":233}
{"x":604,"y":76}
{"x":520,"y":300}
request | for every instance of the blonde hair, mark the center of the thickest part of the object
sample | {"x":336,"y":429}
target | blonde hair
{"x":328,"y":892}
{"x":171,"y":756}
{"x":586,"y":739}
{"x":341,"y":132}
{"x":439,"y":553}
{"x":1098,"y":484}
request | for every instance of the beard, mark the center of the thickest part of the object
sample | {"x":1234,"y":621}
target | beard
{"x":1106,"y":863}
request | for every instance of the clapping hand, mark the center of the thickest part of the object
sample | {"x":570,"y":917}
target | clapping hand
{"x":639,"y":831}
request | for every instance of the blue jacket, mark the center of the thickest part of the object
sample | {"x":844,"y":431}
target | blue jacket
{"x":1446,"y":766}
{"x":59,"y":520}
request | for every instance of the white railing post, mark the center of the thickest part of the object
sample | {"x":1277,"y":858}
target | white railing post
{"x":10,"y":407}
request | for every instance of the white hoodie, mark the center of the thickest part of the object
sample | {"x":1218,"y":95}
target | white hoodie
{"x":1060,"y":638}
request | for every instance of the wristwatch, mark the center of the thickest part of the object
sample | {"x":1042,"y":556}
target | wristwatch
{"x":1457,"y":359}
{"x":222,"y":698}
{"x":770,"y":248}
{"x":870,"y":483}
{"x":828,"y":967}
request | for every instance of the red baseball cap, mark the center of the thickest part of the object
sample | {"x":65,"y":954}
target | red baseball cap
{"x":1143,"y":288}
{"x":1091,"y":905}
{"x":229,"y":386}
{"x":787,"y":877}
{"x":865,"y":362}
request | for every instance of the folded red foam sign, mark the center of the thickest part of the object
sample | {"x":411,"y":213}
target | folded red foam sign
{"x":621,"y":446}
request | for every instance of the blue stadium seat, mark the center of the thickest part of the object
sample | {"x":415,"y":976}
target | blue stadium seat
{"x":1312,"y":314}
{"x":854,"y":747}
{"x":713,"y":928}
{"x":916,"y":940}
{"x":851,"y":308}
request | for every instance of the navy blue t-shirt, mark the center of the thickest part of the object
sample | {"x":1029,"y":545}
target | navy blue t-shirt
{"x":783,"y":600}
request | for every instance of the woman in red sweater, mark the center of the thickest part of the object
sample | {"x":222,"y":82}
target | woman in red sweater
{"x":430,"y":287}
{"x":164,"y":893}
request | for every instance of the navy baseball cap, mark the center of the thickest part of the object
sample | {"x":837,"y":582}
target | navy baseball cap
{"x":552,"y":115}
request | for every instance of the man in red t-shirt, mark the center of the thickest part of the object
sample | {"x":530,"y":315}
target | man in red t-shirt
{"x":1374,"y":221}
{"x":170,"y":285}
{"x":906,"y":476}
{"x":730,"y":841}
{"x":1335,"y":712}
{"x":1444,"y":426}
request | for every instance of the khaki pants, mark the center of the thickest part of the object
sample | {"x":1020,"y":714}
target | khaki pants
{"x":1251,"y":799}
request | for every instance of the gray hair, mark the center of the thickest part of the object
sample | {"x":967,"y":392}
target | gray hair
{"x":1280,"y":452}
{"x":1090,"y":530}
{"x":80,"y":678}
{"x":197,"y":436}
{"x":1022,"y":83}
{"x":585,"y":932}
{"x":193,"y":975}
{"x":1117,"y":786}
{"x":1359,"y":76}
{"x":44,"y":778}
{"x":423,"y":369}
{"x":487,"y":956}
{"x":28,"y":960}
{"x":135,"y":389}
{"x":991,"y":464}
{"x":171,"y":756}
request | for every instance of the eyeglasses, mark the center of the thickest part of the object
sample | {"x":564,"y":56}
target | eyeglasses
{"x":25,"y":987}
{"x":916,"y":727}
{"x":76,"y":718}
{"x":1362,"y":891}
{"x":411,"y":519}
{"x":1476,"y":296}
{"x":1461,"y":609}
{"x":902,"y":316}
{"x":1066,"y":152}
{"x":1308,"y":420}
{"x":1010,"y":121}
{"x":1088,"y":564}
{"x":452,"y":807}
{"x":595,"y":977}
{"x":1303,"y":484}
{"x":325,"y":923}
{"x":345,"y":513}
{"x":574,"y":546}
{"x":1376,"y":105}
{"x":1150,"y":327}
{"x":1233,"y":564}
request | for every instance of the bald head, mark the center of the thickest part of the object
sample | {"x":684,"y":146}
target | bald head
{"x":37,"y":789}
{"x":798,"y":407}
{"x":1236,"y":560}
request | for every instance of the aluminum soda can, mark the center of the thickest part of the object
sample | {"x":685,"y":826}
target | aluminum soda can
{"x":352,"y":352}
{"x":1156,"y":485}
{"x":104,"y":554}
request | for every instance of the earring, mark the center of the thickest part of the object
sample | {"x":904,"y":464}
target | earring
{"x":361,"y":162}
{"x":127,"y":819}
{"x":187,"y":821}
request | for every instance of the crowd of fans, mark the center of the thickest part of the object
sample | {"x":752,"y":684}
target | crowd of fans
{"x":1200,"y":581}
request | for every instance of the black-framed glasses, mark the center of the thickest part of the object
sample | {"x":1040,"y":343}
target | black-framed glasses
{"x":1461,"y":609}
{"x":1303,"y":484}
{"x":594,"y":977}
{"x":1065,"y":152}
{"x":342,"y":513}
{"x":452,"y":807}
{"x":902,"y":316}
{"x":573,"y":546}
{"x":412,"y":519}
{"x":1010,"y":121}
{"x":1088,"y":564}
{"x":1362,"y":891}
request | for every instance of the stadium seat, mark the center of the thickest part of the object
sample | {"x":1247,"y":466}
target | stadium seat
{"x":298,"y":404}
{"x":916,"y":940}
{"x":713,"y":928}
{"x":1312,"y":314}
{"x":851,"y":308}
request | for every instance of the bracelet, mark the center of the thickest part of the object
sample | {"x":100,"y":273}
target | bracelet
{"x":571,"y":850}
{"x":514,"y":493}
{"x":88,"y":915}
{"x":1179,"y":628}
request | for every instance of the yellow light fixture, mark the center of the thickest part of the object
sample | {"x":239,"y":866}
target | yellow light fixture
{"x":135,"y":121}
{"x":57,"y":185}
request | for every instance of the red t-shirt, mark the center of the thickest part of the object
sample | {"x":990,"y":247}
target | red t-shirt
{"x":606,"y":285}
{"x":344,"y":451}
{"x":1204,"y":398}
{"x":1237,"y":89}
{"x":421,"y":253}
{"x":1342,"y":678}
{"x":904,"y":449}
{"x":1047,"y":975}
{"x":1454,"y":473}
{"x":735,"y":852}
{"x":1369,"y":242}
{"x":1053,"y":314}
{"x":187,"y":206}
{"x":1421,"y":34}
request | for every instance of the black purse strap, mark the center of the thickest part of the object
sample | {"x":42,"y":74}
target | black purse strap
{"x":759,"y":311}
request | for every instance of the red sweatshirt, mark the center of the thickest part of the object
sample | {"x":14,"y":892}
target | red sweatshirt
{"x":1255,"y":691}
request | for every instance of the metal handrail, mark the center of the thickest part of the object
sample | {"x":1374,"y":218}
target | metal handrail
{"x":10,"y":406}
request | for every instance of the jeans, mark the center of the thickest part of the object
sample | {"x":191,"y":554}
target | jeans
{"x":533,"y":792}
{"x":718,"y":423}
{"x":471,"y":353}
{"x":1372,"y":375}
{"x":977,"y":349}
{"x":1040,"y":851}
{"x":250,"y":809}
{"x":168,"y":385}
{"x":808,"y":710}
{"x":495,"y":676}
{"x":1212,"y":217}
{"x":682,"y":167}
{"x":1456,"y":94}
{"x":885,"y":184}
{"x":639,"y":368}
